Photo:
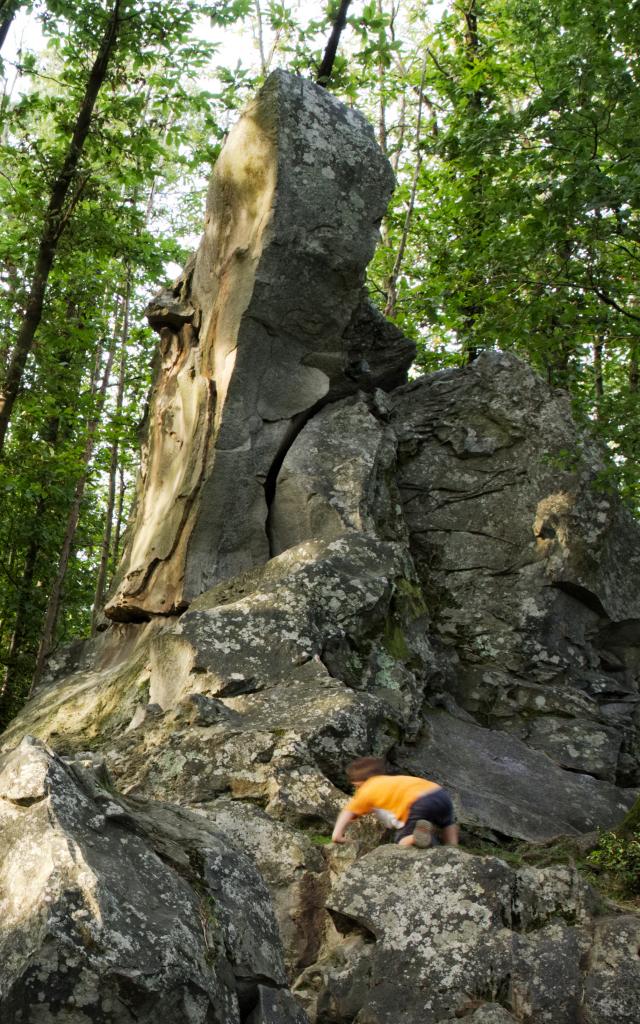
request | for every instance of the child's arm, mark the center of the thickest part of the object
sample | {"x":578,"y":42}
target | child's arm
{"x":343,"y":819}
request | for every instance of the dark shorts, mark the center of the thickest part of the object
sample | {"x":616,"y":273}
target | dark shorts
{"x":435,"y":807}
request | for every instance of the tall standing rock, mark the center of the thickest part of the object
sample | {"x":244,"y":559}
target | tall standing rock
{"x":263,"y":327}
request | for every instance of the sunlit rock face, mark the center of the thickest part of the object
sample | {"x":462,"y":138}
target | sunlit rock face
{"x":267,"y":323}
{"x":112,"y":912}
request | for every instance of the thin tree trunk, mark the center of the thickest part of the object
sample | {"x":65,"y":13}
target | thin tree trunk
{"x":8,"y":10}
{"x":382,"y":105}
{"x":117,"y":535}
{"x":113,"y":461}
{"x":634,"y":368}
{"x":55,"y":597}
{"x":392,"y":282}
{"x":598,"y":381}
{"x":260,"y":33}
{"x":476,"y":104}
{"x":20,"y":627}
{"x":24,"y":612}
{"x":54,"y":224}
{"x":326,"y":66}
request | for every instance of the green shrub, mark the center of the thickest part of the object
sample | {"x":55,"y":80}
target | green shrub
{"x":618,"y":856}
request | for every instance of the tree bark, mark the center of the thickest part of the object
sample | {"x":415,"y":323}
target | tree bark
{"x":598,"y":380}
{"x":392,"y":281}
{"x":475,"y":99}
{"x":53,"y":607}
{"x":326,"y":66}
{"x":105,"y":554}
{"x":117,"y":535}
{"x":8,"y":10}
{"x":634,"y":368}
{"x":54,"y":224}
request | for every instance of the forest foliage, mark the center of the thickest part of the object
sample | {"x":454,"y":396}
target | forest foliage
{"x":512,"y":129}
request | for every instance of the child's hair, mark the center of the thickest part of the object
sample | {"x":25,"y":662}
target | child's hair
{"x":364,"y":767}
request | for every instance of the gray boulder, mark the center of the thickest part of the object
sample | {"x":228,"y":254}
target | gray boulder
{"x":440,"y":935}
{"x":529,"y":566}
{"x":503,"y":787}
{"x":113,"y":915}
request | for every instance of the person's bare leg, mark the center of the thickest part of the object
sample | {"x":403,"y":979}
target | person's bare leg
{"x":450,"y":835}
{"x":406,"y":841}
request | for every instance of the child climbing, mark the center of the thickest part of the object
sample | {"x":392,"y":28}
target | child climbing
{"x":416,"y":808}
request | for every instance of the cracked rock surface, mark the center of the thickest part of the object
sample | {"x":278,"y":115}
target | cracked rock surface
{"x":111,"y":912}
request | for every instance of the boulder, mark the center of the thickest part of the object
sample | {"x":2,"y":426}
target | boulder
{"x":122,"y":914}
{"x":529,"y":564}
{"x":503,"y":787}
{"x":440,"y":935}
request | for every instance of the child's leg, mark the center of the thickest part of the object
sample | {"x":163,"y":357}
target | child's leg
{"x":450,"y":835}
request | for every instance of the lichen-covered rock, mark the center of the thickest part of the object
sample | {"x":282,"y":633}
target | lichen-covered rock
{"x":293,"y":867}
{"x":441,"y":935}
{"x":338,"y":475}
{"x":267,"y":323}
{"x":612,"y":991}
{"x":114,"y":913}
{"x":529,"y":567}
{"x":307,"y":662}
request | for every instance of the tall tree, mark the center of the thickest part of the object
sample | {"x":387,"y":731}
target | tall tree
{"x":62,"y":200}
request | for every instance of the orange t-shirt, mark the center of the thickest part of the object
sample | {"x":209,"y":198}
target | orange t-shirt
{"x":391,"y":793}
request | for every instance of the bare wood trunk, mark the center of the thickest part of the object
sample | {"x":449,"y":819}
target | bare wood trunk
{"x":54,"y":224}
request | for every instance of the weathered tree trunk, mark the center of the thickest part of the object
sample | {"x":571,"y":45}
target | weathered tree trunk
{"x":326,"y":66}
{"x":54,"y":224}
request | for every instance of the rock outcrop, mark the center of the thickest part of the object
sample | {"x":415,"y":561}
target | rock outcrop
{"x":327,"y":561}
{"x":265,"y":326}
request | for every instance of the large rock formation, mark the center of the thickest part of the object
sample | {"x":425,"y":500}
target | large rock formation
{"x":328,"y":562}
{"x":265,"y":326}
